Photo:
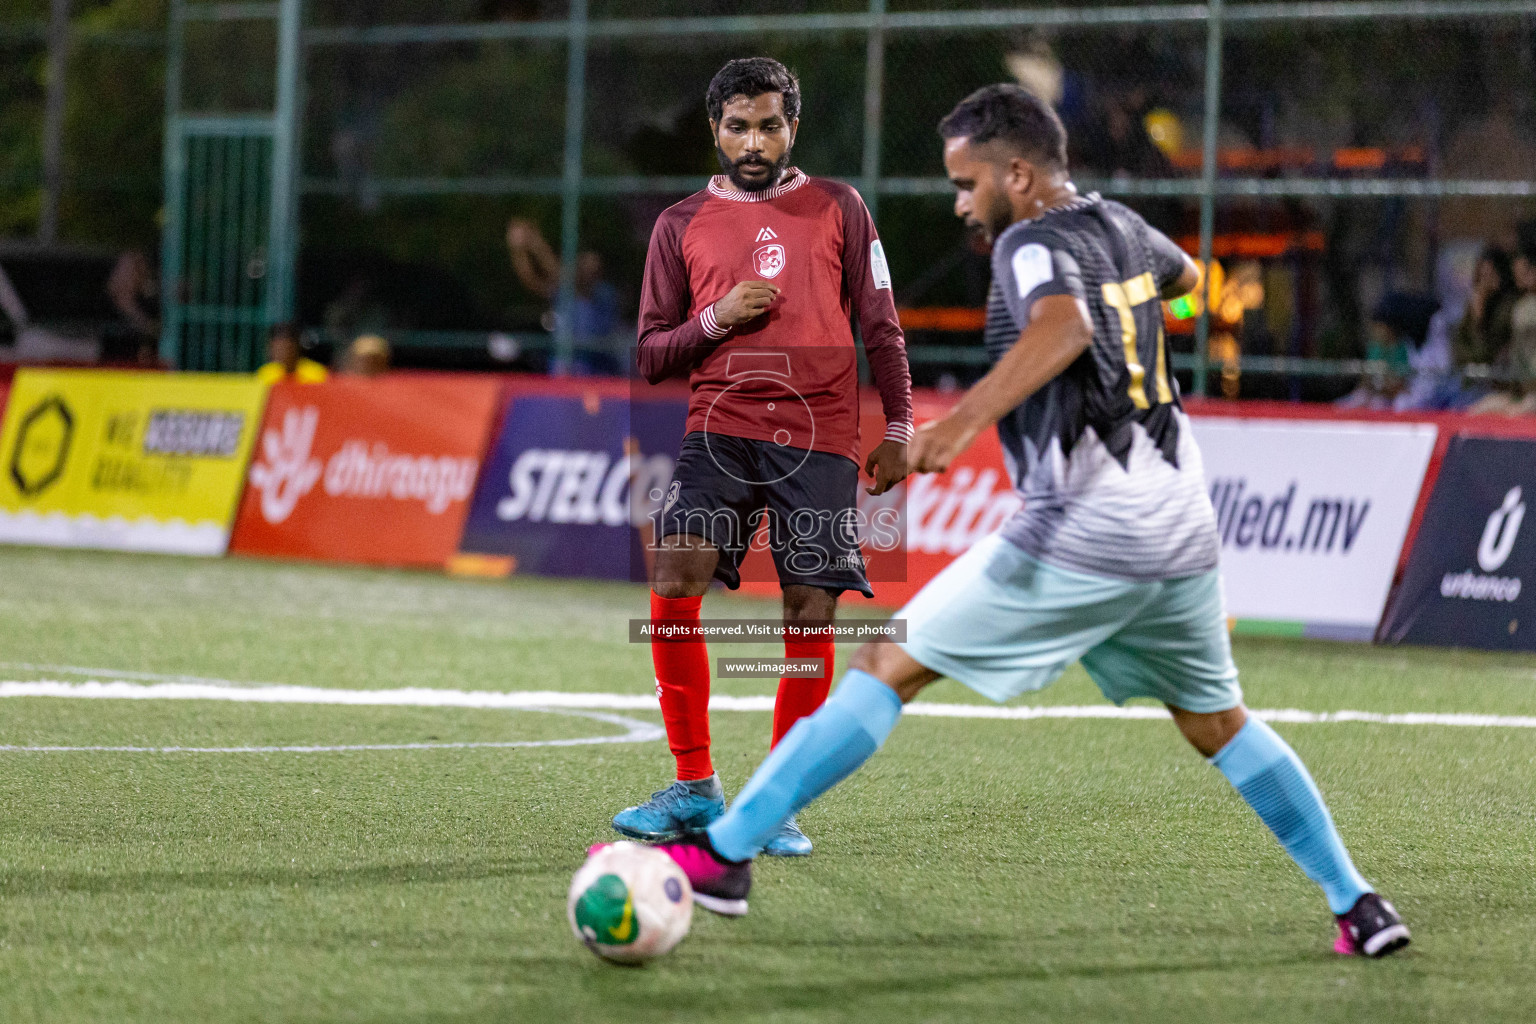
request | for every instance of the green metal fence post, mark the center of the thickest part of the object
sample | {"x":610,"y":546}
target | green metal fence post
{"x":250,"y":350}
{"x":874,"y":95}
{"x":283,"y":234}
{"x":1208,"y":188}
{"x":53,"y":120}
{"x":173,"y":161}
{"x":570,"y":185}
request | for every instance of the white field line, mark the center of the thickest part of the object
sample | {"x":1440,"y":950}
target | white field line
{"x":635,"y":731}
{"x":118,"y":673}
{"x":640,"y":732}
{"x":535,"y":700}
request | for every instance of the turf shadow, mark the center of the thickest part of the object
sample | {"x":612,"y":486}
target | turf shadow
{"x":792,"y":997}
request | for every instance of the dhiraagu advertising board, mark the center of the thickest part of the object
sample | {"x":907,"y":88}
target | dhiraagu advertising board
{"x":124,"y":460}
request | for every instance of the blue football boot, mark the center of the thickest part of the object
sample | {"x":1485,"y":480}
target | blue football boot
{"x":681,"y":807}
{"x":788,"y":841}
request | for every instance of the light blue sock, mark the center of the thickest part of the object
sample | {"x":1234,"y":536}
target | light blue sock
{"x":819,"y":752}
{"x":1269,"y":775}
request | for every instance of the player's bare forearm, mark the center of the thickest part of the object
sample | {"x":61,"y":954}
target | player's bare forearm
{"x":1059,"y":331}
{"x":1184,"y":283}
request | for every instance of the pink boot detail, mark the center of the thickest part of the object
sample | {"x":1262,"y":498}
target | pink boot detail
{"x":702,"y":869}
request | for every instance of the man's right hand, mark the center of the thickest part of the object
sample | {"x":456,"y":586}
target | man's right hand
{"x":747,"y":301}
{"x":520,"y":233}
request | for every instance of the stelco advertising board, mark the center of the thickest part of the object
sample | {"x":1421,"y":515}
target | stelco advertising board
{"x":573,"y":482}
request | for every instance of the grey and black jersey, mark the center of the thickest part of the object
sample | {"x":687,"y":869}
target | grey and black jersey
{"x":1102,"y":455}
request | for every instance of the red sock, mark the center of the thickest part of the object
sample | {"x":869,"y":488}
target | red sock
{"x":682,"y":683}
{"x":800,"y":696}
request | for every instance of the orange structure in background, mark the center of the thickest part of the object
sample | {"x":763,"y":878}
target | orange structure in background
{"x":957,"y":319}
{"x":1304,"y":158}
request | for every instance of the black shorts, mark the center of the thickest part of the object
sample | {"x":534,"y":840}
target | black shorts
{"x":724,"y":486}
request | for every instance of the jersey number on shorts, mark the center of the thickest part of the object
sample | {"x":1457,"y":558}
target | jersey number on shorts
{"x":1123,"y":298}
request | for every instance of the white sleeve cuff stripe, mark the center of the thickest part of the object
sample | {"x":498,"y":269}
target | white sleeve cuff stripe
{"x":898,"y":432}
{"x":711,"y":326}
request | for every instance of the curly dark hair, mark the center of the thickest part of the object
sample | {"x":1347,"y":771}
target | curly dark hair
{"x":1014,"y":115}
{"x":1499,"y":260}
{"x":753,"y":76}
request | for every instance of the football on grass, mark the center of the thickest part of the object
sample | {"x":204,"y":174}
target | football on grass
{"x":630,"y":903}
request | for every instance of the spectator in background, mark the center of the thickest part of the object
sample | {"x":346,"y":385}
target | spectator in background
{"x":593,"y":311}
{"x":135,"y":293}
{"x":1482,"y":335}
{"x":1396,"y":337}
{"x":1114,"y":139}
{"x":367,"y":356}
{"x":1401,"y":324}
{"x":1517,"y":393}
{"x":358,"y":308}
{"x":287,"y":361}
{"x":1522,"y":316}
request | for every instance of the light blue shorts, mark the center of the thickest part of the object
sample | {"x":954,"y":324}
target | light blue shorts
{"x":1005,"y":623}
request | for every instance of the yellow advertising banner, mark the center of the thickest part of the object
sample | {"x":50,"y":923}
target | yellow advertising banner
{"x":124,"y":460}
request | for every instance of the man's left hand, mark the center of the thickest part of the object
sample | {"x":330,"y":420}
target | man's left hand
{"x":937,"y":443}
{"x":887,"y":465}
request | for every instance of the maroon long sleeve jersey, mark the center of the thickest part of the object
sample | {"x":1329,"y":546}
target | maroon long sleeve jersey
{"x":791,"y":374}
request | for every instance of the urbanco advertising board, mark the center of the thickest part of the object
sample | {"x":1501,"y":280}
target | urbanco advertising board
{"x":1466,"y":581}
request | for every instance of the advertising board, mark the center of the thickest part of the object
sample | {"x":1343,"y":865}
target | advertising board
{"x":572,"y":482}
{"x":377,"y":471}
{"x":125,"y":460}
{"x":1465,"y":582}
{"x":1312,"y":516}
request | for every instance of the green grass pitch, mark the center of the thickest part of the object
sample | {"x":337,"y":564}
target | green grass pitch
{"x":1060,"y":870}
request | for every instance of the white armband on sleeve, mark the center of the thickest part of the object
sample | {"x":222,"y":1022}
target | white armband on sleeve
{"x":1032,"y":267}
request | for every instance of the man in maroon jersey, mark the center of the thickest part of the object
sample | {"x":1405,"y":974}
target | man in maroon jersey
{"x":750,"y":287}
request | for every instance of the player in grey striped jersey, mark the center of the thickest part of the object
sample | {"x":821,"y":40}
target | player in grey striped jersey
{"x":1112,"y":559}
{"x":1101,"y":454}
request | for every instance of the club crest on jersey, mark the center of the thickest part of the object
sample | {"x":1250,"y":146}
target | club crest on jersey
{"x":769,"y":260}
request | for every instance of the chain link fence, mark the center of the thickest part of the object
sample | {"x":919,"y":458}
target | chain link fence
{"x":1360,"y":151}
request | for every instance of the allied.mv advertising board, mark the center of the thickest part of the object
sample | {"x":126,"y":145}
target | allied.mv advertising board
{"x":1312,"y":517}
